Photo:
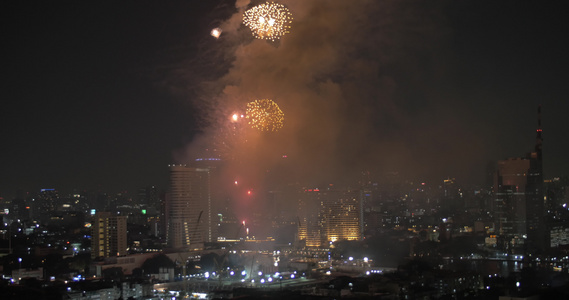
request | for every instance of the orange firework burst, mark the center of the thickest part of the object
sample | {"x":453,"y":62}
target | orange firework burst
{"x":264,"y":115}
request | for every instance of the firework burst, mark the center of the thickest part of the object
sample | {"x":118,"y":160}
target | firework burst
{"x":264,"y":115}
{"x":268,"y":21}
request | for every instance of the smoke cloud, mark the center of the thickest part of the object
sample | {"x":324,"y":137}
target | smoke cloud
{"x":355,"y":82}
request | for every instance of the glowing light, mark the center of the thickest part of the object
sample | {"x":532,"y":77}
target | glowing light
{"x":268,"y":21}
{"x":216,"y":32}
{"x":264,"y":115}
{"x":235,"y":117}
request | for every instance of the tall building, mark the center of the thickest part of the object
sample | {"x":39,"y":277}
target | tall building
{"x":518,"y":204}
{"x":108,"y":235}
{"x":219,"y":194}
{"x":341,"y":216}
{"x":308,"y":217}
{"x":509,"y":205}
{"x":329,"y":216}
{"x":188,"y":208}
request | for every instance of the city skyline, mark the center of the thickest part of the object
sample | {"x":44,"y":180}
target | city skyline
{"x":427,"y":89}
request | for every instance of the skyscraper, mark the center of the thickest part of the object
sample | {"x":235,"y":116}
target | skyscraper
{"x":329,"y":216}
{"x":108,"y":235}
{"x":535,"y":213}
{"x":188,"y":208}
{"x":518,"y":204}
{"x":341,"y":216}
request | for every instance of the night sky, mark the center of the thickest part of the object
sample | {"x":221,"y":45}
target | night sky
{"x":104,"y":95}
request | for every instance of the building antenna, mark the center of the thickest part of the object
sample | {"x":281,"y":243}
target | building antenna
{"x":539,"y":139}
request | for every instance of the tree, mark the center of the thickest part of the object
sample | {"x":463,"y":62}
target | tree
{"x":153,"y":264}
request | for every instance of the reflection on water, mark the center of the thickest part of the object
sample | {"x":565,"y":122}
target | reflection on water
{"x":484,"y":267}
{"x":505,"y":268}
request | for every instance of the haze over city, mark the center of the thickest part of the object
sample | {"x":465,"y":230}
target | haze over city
{"x":284,"y":150}
{"x":107,"y":95}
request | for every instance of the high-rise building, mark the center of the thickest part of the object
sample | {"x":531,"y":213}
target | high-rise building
{"x":330,"y":215}
{"x":341,"y":216}
{"x":44,"y":205}
{"x":308,"y":217}
{"x":108,"y":235}
{"x":518,"y":204}
{"x":188,"y":208}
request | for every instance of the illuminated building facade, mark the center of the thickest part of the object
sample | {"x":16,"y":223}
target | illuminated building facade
{"x":329,"y":215}
{"x":340,"y":216}
{"x":48,"y":200}
{"x":108,"y":235}
{"x":308,"y":217}
{"x":188,"y":208}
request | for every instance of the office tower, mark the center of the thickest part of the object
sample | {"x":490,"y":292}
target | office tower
{"x":148,"y":198}
{"x":219,"y":194}
{"x":330,"y":215}
{"x":188,"y":208}
{"x":48,"y":200}
{"x":518,"y":204}
{"x":308,"y":217}
{"x":19,"y":210}
{"x":341,"y":216}
{"x":509,"y":205}
{"x":534,"y":193}
{"x":108,"y":235}
{"x":44,"y":205}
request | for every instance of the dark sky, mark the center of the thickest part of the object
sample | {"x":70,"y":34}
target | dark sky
{"x":106,"y":95}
